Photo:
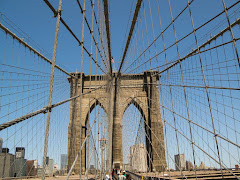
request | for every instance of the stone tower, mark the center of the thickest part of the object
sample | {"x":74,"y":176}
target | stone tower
{"x":115,"y":94}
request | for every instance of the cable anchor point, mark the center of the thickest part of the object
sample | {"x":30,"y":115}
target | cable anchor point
{"x":58,"y":11}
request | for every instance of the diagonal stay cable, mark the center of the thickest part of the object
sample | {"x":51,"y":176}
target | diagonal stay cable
{"x":14,"y":36}
{"x":138,"y":6}
{"x":159,"y":35}
{"x":98,"y":30}
{"x":184,"y":36}
{"x":71,"y":32}
{"x":194,"y":142}
{"x":91,"y":31}
{"x":222,"y":166}
{"x":201,"y":46}
{"x":194,"y":123}
{"x":82,"y":145}
{"x":43,"y":110}
{"x":187,"y":56}
{"x":105,"y":3}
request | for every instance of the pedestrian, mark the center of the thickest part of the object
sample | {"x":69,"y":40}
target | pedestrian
{"x":121,"y":177}
{"x":128,"y":177}
{"x":124,"y":173}
{"x":107,"y":177}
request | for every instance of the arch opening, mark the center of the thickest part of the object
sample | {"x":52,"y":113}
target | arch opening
{"x":134,"y":138}
{"x":96,"y":126}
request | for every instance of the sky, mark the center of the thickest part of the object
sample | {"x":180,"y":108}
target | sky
{"x":35,"y":19}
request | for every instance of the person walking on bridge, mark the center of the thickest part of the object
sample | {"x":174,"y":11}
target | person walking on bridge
{"x":121,"y":176}
{"x":107,"y":177}
{"x":124,"y":173}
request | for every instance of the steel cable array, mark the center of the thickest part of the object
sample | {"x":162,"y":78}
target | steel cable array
{"x":170,"y":111}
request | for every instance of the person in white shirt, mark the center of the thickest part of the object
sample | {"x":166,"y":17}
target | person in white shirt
{"x":121,"y":177}
{"x":107,"y":177}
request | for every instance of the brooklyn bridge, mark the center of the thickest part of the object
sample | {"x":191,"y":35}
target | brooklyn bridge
{"x":140,"y":89}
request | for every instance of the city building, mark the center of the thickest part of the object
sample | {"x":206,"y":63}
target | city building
{"x":92,"y":169}
{"x":1,"y":143}
{"x":39,"y":171}
{"x":20,"y":152}
{"x":36,"y":164}
{"x":180,"y":162}
{"x":138,"y":158}
{"x":20,"y":167}
{"x":64,"y":161}
{"x":6,"y":165}
{"x":20,"y":163}
{"x":31,"y":169}
{"x":56,"y":169}
{"x":202,"y":166}
{"x":5,"y":150}
{"x":47,"y":160}
{"x":126,"y":167}
{"x":56,"y":166}
{"x":49,"y":167}
{"x":189,"y":165}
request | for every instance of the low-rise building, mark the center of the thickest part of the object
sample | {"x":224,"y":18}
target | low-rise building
{"x":31,"y":169}
{"x":20,"y":167}
{"x":7,"y":165}
{"x":64,"y":161}
{"x":189,"y":166}
{"x":39,"y":171}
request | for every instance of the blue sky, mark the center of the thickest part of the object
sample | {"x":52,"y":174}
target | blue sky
{"x":36,"y":20}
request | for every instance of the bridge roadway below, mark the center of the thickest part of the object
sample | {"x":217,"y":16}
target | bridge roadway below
{"x":174,"y":175}
{"x":206,"y":175}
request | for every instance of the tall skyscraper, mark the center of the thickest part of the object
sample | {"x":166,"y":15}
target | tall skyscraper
{"x":180,"y":162}
{"x":63,"y":161}
{"x":138,"y":158}
{"x":51,"y":166}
